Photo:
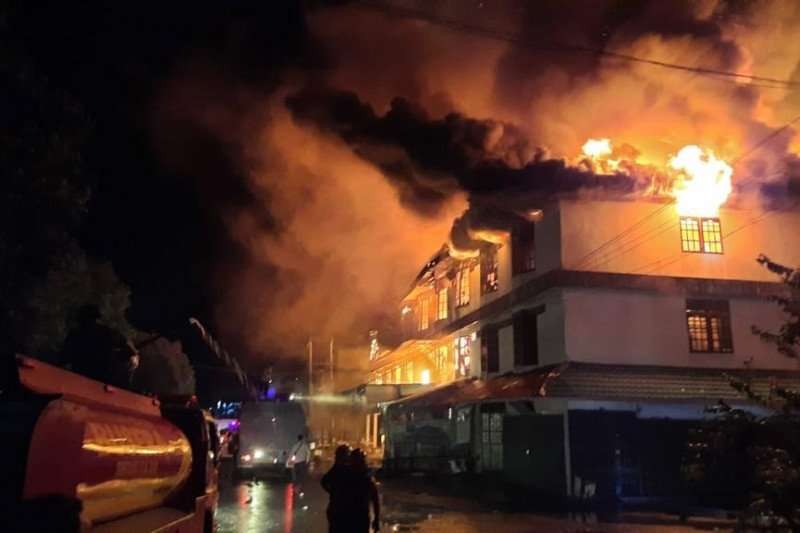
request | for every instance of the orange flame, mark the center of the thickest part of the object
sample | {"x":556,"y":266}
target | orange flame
{"x":704,"y":181}
{"x":599,"y":152}
{"x":597,"y":148}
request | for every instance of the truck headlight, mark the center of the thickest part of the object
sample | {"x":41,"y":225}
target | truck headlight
{"x":258,"y":453}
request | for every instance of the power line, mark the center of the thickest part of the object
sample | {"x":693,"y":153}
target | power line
{"x":555,"y":46}
{"x":680,"y":256}
{"x":736,"y":161}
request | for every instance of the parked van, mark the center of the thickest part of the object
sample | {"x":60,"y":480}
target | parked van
{"x":267,"y":432}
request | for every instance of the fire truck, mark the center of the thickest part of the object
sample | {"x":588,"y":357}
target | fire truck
{"x":78,"y":455}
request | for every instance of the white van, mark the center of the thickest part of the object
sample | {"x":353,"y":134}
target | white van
{"x":267,"y":431}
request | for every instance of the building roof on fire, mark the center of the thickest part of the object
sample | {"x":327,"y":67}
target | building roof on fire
{"x":576,"y":380}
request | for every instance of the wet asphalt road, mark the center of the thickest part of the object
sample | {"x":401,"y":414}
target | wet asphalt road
{"x":269,"y":505}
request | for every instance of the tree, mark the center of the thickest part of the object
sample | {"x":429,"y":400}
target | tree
{"x":45,"y":275}
{"x":164,"y":369}
{"x":753,"y":455}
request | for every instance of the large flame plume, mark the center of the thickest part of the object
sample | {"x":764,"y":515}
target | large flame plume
{"x":704,"y":182}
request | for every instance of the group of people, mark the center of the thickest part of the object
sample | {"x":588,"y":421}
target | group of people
{"x":352,"y":492}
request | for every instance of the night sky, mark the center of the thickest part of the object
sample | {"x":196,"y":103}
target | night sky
{"x":158,"y":223}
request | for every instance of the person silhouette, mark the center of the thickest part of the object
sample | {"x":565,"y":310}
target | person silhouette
{"x":364,"y":493}
{"x":336,"y":483}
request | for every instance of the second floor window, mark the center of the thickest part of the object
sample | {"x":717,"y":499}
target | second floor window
{"x":424,"y":313}
{"x":441,"y":358}
{"x":442,"y":309}
{"x":489,"y":279}
{"x":709,"y":326}
{"x":491,"y":348}
{"x":701,"y":235}
{"x":526,"y":337}
{"x":462,"y":289}
{"x":463,"y":356}
{"x":523,"y":248}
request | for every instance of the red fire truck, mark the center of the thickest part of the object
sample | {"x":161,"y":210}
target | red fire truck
{"x":79,"y":455}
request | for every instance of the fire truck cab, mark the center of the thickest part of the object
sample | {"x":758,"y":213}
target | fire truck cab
{"x":81,"y":456}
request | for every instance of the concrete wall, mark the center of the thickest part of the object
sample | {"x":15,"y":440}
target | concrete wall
{"x":631,"y":327}
{"x":551,"y":342}
{"x":586,"y":225}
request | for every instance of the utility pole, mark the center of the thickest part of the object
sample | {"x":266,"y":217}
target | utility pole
{"x":310,"y":366}
{"x":331,"y":366}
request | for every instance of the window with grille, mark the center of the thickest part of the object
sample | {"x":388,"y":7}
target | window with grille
{"x":701,"y":235}
{"x":462,"y":355}
{"x":709,"y":325}
{"x":489,"y":278}
{"x":462,"y":290}
{"x":442,"y":314}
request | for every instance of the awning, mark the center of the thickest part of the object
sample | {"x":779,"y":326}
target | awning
{"x":592,"y":381}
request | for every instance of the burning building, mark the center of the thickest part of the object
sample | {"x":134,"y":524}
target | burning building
{"x":574,"y":339}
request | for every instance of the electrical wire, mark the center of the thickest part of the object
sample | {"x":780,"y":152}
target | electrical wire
{"x":554,"y":46}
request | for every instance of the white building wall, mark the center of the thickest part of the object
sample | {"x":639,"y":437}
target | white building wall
{"x":586,"y":225}
{"x":630,"y":327}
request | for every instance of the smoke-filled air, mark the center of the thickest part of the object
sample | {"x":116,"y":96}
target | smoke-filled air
{"x":411,"y":112}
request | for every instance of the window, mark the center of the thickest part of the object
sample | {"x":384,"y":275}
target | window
{"x":491,"y":349}
{"x":462,"y":281}
{"x":378,"y":379}
{"x":398,"y":375}
{"x":709,"y":326}
{"x":425,"y":377}
{"x":489,"y":279}
{"x":442,"y":314}
{"x":701,"y":235}
{"x":441,"y":357}
{"x":526,"y":337}
{"x":523,"y":249}
{"x":424,"y":310}
{"x":462,"y":353}
{"x":410,"y":372}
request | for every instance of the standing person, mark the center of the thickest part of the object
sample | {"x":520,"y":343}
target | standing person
{"x":299,"y":457}
{"x":364,"y":492}
{"x":336,"y":483}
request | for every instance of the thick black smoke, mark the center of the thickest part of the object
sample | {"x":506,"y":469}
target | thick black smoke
{"x":429,"y":159}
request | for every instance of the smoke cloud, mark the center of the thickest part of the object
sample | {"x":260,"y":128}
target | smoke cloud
{"x":356,"y":168}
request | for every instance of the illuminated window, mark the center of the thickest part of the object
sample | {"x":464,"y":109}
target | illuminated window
{"x":424,"y":316}
{"x":425,"y":377}
{"x":378,"y":379}
{"x":398,"y":375}
{"x":462,"y":356}
{"x":410,"y":372}
{"x":701,"y":235}
{"x":712,"y":236}
{"x":462,"y":295}
{"x":489,"y":279}
{"x":441,"y":357}
{"x":442,"y":304}
{"x":709,"y":326}
{"x":523,"y":248}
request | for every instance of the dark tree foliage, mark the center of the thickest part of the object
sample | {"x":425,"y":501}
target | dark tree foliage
{"x":751,"y":458}
{"x":45,"y":275}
